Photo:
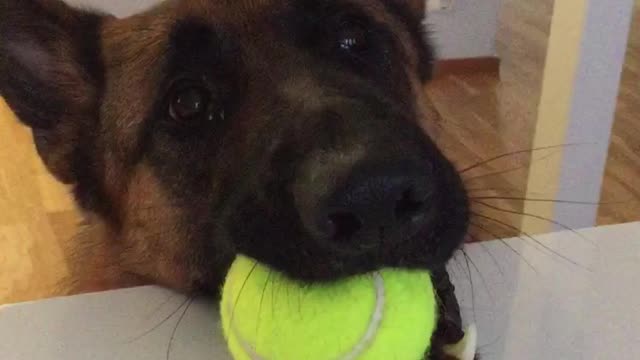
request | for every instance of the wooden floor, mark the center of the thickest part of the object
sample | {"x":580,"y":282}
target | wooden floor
{"x":490,"y":115}
{"x":482,"y":115}
{"x":485,"y":116}
{"x":37,"y":218}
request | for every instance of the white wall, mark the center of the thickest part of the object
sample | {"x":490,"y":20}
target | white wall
{"x":467,"y":30}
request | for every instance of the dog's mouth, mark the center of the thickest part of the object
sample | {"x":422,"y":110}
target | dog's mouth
{"x":376,"y":219}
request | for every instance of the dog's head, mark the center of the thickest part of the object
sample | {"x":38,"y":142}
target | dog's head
{"x":288,"y":131}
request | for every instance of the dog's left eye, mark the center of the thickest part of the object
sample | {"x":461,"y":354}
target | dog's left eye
{"x":353,"y":37}
{"x":188,"y":103}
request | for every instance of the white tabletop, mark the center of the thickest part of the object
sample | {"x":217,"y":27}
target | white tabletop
{"x":541,"y":308}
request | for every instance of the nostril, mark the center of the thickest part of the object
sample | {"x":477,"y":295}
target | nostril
{"x":409,"y":205}
{"x":344,"y":225}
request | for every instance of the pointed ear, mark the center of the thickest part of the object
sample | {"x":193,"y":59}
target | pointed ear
{"x":51,"y":74}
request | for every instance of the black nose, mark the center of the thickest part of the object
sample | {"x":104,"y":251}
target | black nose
{"x":377,"y":204}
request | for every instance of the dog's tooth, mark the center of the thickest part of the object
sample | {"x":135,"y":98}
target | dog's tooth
{"x":466,"y":348}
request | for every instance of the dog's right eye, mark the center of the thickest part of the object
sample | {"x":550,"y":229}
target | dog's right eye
{"x":353,"y":37}
{"x":189,"y":103}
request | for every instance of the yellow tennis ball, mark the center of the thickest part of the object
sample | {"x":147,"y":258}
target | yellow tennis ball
{"x":386,"y":315}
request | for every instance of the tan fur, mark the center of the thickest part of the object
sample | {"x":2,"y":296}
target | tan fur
{"x":133,"y":53}
{"x":147,"y":251}
{"x":150,"y":236}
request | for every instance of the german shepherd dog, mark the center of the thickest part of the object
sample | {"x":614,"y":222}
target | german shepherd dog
{"x":290,"y":131}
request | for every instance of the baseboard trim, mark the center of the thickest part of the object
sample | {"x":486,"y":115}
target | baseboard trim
{"x":445,"y":67}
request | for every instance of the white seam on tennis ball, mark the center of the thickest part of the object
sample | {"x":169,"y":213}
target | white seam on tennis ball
{"x":374,"y":323}
{"x":358,"y":349}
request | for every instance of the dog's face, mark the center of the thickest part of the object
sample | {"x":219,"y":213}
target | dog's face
{"x":288,"y":131}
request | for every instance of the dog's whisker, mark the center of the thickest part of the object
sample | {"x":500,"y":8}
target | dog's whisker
{"x":175,"y":329}
{"x":273,"y":296}
{"x":496,"y":208}
{"x":458,"y":263}
{"x":513,"y":153}
{"x":539,"y":200}
{"x":503,"y":242}
{"x":493,"y":189}
{"x":549,"y":249}
{"x":495,"y":173}
{"x":510,"y":170}
{"x":473,"y":291}
{"x":475,"y":266}
{"x":156,"y":326}
{"x":486,"y":250}
{"x":244,"y":284}
{"x":264,"y":290}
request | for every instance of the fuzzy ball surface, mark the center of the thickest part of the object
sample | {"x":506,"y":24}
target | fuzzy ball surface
{"x":389,"y":314}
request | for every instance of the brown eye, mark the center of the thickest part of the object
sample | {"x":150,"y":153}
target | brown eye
{"x":189,"y":103}
{"x":353,"y":37}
